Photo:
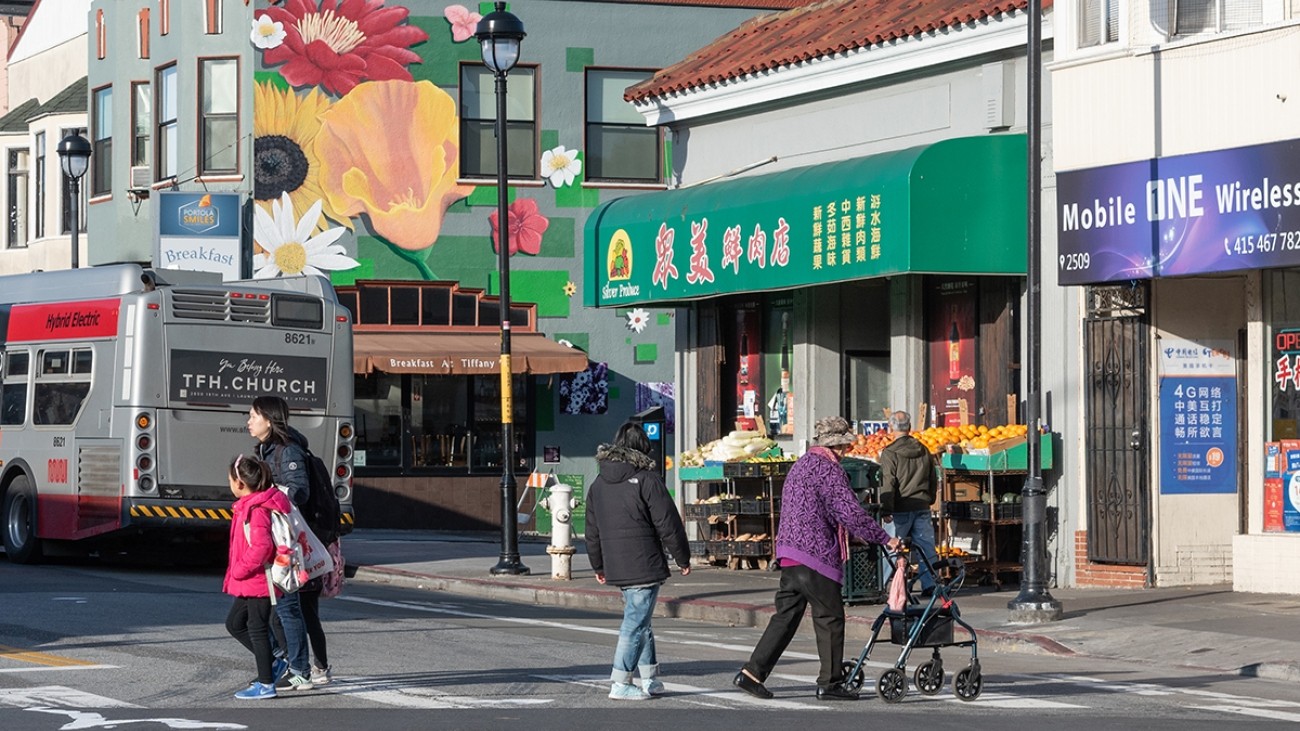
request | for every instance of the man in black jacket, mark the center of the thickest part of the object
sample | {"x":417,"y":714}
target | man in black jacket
{"x":908,"y":488}
{"x":631,"y":519}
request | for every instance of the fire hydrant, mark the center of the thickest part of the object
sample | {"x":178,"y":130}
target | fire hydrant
{"x":561,"y":504}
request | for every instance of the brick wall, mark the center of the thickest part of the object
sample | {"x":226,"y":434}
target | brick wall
{"x":1087,"y":573}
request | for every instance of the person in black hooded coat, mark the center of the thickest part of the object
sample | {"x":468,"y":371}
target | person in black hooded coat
{"x":631,"y":520}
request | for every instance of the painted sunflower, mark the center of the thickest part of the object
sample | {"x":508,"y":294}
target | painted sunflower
{"x":285,"y":126}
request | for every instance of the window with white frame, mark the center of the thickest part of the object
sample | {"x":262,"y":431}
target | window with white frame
{"x":1197,"y":17}
{"x":17,"y":198}
{"x":141,"y":122}
{"x":478,"y":146}
{"x":166,"y":154}
{"x":40,"y":185}
{"x":219,"y":128}
{"x":619,"y":146}
{"x":101,"y":153}
{"x":1098,"y":22}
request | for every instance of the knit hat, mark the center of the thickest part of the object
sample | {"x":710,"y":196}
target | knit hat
{"x":832,"y":431}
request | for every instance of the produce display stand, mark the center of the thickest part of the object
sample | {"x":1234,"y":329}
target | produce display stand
{"x":995,"y":475}
{"x":754,"y":508}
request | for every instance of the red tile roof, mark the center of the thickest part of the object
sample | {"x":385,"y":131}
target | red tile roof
{"x":813,"y":31}
{"x":759,"y":4}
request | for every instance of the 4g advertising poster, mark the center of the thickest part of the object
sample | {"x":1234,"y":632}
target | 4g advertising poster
{"x":950,"y":325}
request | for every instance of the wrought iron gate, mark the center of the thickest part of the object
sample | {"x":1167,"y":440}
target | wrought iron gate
{"x":1117,"y":432}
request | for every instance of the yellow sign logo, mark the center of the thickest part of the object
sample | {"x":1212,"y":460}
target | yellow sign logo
{"x":619,"y":260}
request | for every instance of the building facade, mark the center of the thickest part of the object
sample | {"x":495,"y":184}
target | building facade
{"x":360,"y":138}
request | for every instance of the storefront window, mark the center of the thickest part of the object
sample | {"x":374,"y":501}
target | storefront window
{"x":1284,"y":353}
{"x":868,"y":385}
{"x":439,"y":423}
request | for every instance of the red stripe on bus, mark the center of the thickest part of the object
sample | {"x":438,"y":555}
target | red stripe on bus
{"x":64,"y":320}
{"x":64,"y":517}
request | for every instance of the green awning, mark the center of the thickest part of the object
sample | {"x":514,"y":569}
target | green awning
{"x":952,"y":207}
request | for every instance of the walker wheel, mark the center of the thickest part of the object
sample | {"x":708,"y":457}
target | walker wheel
{"x":853,"y":681}
{"x":968,"y":684}
{"x":892,"y":685}
{"x":929,"y":677}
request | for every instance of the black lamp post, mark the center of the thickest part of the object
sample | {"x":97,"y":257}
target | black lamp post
{"x":499,"y":34}
{"x":74,"y":157}
{"x":1035,"y":603}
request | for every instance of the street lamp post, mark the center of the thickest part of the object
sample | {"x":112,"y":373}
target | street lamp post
{"x":1034,"y":604}
{"x":499,"y":34}
{"x":74,"y":157}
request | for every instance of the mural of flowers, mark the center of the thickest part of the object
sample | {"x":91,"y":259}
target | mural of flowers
{"x":586,"y":392}
{"x":527,"y":225}
{"x":463,"y":22}
{"x":267,"y":33}
{"x":285,"y":126}
{"x":338,"y":44}
{"x":637,"y":319}
{"x":561,"y":166}
{"x":649,"y":395}
{"x":570,"y":289}
{"x":404,"y":181}
{"x":292,"y":245}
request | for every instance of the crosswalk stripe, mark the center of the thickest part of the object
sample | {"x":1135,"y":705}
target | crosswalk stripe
{"x":384,"y":691}
{"x":602,"y":682}
{"x":1270,"y":713}
{"x":39,"y":658}
{"x":58,"y":696}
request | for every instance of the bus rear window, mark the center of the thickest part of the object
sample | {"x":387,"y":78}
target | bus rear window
{"x":300,"y":312}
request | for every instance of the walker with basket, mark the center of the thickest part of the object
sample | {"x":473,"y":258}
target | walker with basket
{"x":919,"y":624}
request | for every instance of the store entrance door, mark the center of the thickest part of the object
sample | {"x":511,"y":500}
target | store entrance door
{"x":1117,"y":433}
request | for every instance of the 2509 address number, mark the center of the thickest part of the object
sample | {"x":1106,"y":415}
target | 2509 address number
{"x":1075,"y":262}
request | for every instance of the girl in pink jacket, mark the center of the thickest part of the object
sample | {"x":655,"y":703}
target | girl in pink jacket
{"x":251,"y":551}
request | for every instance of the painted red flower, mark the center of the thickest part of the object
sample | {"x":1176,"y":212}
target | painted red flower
{"x":526,"y":228}
{"x":340,"y":43}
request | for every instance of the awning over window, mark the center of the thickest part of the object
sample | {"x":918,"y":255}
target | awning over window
{"x":460,"y":353}
{"x":952,"y":207}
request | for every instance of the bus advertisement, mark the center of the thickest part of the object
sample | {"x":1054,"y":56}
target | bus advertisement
{"x":124,"y":394}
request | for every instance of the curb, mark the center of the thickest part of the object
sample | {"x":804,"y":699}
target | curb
{"x":730,"y":614}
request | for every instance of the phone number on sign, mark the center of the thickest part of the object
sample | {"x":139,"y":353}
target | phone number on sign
{"x":1262,"y":243}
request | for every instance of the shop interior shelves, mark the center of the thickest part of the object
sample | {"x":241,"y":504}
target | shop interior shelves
{"x":730,"y":501}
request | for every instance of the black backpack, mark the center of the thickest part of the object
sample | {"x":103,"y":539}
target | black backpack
{"x":322,"y":511}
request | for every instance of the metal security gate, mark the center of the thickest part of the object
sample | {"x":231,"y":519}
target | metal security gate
{"x":1117,"y":432}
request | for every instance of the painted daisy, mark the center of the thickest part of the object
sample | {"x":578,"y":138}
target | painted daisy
{"x":561,"y":166}
{"x":288,"y":243}
{"x":570,"y":289}
{"x":267,"y":32}
{"x":637,"y":319}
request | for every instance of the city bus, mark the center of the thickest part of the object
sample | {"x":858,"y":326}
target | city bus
{"x":124,"y":395}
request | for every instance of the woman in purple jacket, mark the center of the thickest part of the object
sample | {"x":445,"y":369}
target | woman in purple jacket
{"x":817,"y":506}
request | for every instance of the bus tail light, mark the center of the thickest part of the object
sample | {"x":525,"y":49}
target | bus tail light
{"x":146,"y":484}
{"x":345,"y":431}
{"x":143,"y":457}
{"x":345,"y":452}
{"x":144,"y":463}
{"x":143,"y":420}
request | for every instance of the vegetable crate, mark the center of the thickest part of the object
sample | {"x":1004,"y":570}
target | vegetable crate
{"x":862,"y":580}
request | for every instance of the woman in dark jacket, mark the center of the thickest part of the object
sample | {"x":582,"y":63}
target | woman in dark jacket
{"x":631,"y":520}
{"x":284,"y":450}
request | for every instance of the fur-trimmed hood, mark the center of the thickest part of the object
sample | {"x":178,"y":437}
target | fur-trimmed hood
{"x":614,"y":453}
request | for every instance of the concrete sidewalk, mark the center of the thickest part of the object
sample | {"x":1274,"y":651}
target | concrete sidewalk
{"x":1206,"y":628}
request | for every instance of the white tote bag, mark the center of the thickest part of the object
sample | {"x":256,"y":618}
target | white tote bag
{"x":316,"y":558}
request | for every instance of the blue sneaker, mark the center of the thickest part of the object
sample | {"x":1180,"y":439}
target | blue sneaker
{"x":279,"y":668}
{"x":256,"y":692}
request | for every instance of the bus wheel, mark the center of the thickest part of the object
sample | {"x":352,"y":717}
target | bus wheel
{"x":21,"y":543}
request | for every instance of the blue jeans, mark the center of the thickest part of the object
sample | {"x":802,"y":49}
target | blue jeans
{"x":636,"y":641}
{"x":918,"y":526}
{"x":292,"y":635}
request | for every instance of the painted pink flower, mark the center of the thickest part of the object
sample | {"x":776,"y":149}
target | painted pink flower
{"x":463,"y":22}
{"x":526,"y":228}
{"x":340,"y":43}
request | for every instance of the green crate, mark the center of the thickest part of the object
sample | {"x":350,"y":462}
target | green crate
{"x":862,"y":582}
{"x":699,"y":474}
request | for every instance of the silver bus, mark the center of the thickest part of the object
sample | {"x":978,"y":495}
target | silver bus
{"x":124,"y":394}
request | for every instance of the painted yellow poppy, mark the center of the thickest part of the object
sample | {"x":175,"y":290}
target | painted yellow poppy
{"x":391,"y":149}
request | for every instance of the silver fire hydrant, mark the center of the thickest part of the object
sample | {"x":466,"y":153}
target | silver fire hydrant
{"x":561,"y":504}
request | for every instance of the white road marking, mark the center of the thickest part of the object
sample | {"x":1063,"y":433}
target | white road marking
{"x":1270,"y":714}
{"x":391,"y":693}
{"x":59,"y":696}
{"x":602,"y":682}
{"x":91,"y":719}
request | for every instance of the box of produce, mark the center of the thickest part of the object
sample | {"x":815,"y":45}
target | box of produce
{"x":1014,"y":458}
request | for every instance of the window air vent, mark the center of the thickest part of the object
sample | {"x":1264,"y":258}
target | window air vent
{"x":207,"y":305}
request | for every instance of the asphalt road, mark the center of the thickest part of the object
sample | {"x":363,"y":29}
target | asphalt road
{"x":93,"y":645}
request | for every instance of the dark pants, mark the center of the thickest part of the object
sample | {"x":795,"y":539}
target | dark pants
{"x":248,"y":622}
{"x":802,"y":587}
{"x":311,"y":618}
